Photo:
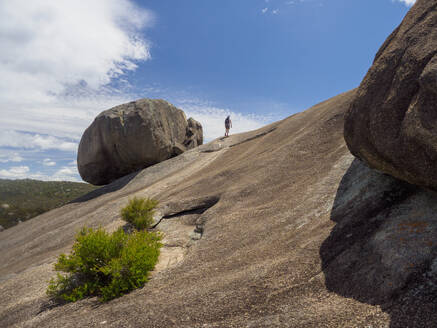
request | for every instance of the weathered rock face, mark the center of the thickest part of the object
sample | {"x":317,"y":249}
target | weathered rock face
{"x":194,"y":134}
{"x":132,"y":136}
{"x":392,"y":123}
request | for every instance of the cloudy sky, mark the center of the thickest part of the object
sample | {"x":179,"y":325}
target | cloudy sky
{"x":62,"y":62}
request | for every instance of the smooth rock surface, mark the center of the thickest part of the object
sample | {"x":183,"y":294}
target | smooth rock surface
{"x":392,"y":123}
{"x":132,"y":136}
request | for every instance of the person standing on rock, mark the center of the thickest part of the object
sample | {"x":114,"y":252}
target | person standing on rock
{"x":228,"y":125}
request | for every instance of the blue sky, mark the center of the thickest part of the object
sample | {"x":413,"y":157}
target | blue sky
{"x":63,"y":62}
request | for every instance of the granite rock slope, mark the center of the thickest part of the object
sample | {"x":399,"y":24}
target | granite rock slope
{"x":279,"y":227}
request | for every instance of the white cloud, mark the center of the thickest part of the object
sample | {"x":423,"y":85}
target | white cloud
{"x":48,"y":162}
{"x":66,"y":171}
{"x":15,"y":172}
{"x":212,"y":118}
{"x":275,"y":11}
{"x":58,"y":55}
{"x":16,"y":139}
{"x":296,"y":2}
{"x":70,"y":41}
{"x":407,"y":2}
{"x":264,"y":10}
{"x":65,"y":174}
{"x":6,"y":157}
{"x":23,"y":172}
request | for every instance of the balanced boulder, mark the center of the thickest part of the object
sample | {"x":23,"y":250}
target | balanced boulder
{"x":132,"y":136}
{"x":392,"y":123}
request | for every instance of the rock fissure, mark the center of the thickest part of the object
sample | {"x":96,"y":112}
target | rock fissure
{"x":195,"y":208}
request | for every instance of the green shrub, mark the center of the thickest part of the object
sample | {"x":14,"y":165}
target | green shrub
{"x":139,"y":212}
{"x":105,"y":265}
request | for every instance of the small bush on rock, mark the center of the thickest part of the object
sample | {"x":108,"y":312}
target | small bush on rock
{"x":139,"y":212}
{"x":105,"y":265}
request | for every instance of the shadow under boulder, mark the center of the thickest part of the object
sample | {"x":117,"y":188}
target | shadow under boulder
{"x":383,"y":249}
{"x":112,"y":187}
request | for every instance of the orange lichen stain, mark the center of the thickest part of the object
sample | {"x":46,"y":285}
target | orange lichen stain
{"x":409,"y":266}
{"x":413,"y":227}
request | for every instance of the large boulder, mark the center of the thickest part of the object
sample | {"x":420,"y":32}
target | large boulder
{"x":392,"y":123}
{"x":132,"y":136}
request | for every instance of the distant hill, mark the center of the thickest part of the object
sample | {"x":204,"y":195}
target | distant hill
{"x":21,"y":200}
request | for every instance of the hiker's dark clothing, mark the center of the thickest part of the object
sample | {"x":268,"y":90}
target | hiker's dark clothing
{"x":227,"y":123}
